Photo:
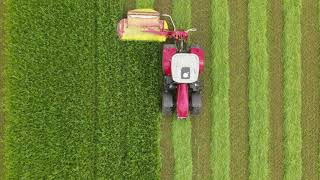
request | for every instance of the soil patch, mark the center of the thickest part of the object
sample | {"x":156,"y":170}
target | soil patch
{"x":275,"y":28}
{"x":239,"y":55}
{"x":310,"y":88}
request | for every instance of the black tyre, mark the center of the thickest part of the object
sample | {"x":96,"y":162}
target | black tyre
{"x":167,"y":104}
{"x":196,"y":104}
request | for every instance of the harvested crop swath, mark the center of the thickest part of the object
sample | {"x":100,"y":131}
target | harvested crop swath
{"x":182,"y":149}
{"x":181,"y":129}
{"x":129,"y":89}
{"x":258,"y":90}
{"x":49,"y":89}
{"x":220,"y":144}
{"x":292,"y":89}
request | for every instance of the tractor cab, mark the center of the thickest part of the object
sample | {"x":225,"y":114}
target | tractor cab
{"x":185,"y":68}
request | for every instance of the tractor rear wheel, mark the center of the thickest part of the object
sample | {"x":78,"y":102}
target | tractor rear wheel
{"x":196,"y":103}
{"x":167,"y":104}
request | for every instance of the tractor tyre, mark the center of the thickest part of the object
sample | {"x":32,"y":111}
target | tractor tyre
{"x":167,"y":104}
{"x":196,"y":103}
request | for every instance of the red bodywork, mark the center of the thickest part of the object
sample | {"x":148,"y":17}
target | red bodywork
{"x":182,"y":89}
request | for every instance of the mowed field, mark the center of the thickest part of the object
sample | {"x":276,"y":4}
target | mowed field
{"x":80,"y":104}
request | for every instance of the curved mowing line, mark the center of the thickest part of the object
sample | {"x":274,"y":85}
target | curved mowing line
{"x":220,"y":144}
{"x":181,"y":130}
{"x":258,"y":91}
{"x":292,"y":89}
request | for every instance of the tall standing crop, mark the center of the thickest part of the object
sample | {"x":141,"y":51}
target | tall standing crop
{"x":220,"y":145}
{"x":292,"y":89}
{"x":49,"y":90}
{"x":258,"y":90}
{"x":181,"y":130}
{"x":128,"y":102}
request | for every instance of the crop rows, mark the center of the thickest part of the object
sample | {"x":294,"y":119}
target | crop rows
{"x":220,"y":145}
{"x":181,"y":129}
{"x":49,"y":96}
{"x":128,"y":102}
{"x":80,"y":103}
{"x":258,"y":90}
{"x":292,"y":89}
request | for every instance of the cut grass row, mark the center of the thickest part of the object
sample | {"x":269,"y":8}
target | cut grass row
{"x":181,"y":129}
{"x":128,"y":142}
{"x":292,"y":89}
{"x":220,"y":145}
{"x":49,"y":96}
{"x":258,"y":90}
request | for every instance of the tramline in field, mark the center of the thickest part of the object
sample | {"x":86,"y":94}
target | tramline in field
{"x":182,"y":64}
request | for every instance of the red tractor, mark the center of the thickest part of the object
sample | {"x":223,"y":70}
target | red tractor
{"x":182,"y":64}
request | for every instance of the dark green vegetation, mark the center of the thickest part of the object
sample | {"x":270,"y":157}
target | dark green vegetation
{"x":292,"y":89}
{"x":72,"y":109}
{"x":128,"y":124}
{"x":220,"y":144}
{"x":258,"y":90}
{"x":50,"y":101}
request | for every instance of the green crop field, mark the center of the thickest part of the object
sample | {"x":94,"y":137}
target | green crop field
{"x":78,"y":103}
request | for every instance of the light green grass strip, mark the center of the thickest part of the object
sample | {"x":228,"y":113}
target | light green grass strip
{"x":144,"y":3}
{"x":50,"y":94}
{"x":181,"y":129}
{"x":258,"y":91}
{"x":292,"y":90}
{"x":220,"y":145}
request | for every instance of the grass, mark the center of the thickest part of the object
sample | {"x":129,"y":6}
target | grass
{"x":258,"y":90}
{"x":182,"y":149}
{"x":79,"y":103}
{"x":144,"y":3}
{"x":128,"y":103}
{"x":49,"y":99}
{"x":292,"y":89}
{"x":220,"y":145}
{"x":181,"y":129}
